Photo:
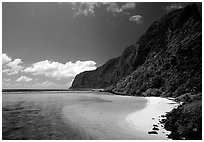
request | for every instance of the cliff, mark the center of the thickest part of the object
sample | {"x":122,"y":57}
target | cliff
{"x":173,"y":68}
{"x":173,"y":65}
{"x":165,"y":61}
{"x":167,"y":57}
{"x":112,"y":71}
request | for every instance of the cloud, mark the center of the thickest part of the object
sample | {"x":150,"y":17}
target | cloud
{"x":14,"y":67}
{"x":128,"y":6}
{"x":173,"y":7}
{"x":116,"y":8}
{"x":84,"y":8}
{"x":11,"y":66}
{"x":48,"y":68}
{"x":113,"y":7}
{"x":23,"y":79}
{"x":88,"y":8}
{"x":5,"y":59}
{"x":136,"y":18}
{"x":59,"y":70}
{"x":15,"y":64}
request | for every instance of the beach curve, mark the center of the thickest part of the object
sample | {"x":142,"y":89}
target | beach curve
{"x":150,"y":116}
{"x":107,"y":118}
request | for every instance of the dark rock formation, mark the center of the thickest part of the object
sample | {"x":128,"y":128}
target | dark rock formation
{"x":167,"y":57}
{"x":173,"y":65}
{"x":155,"y":125}
{"x":152,"y":132}
{"x":155,"y":128}
{"x":185,"y":122}
{"x":112,"y":71}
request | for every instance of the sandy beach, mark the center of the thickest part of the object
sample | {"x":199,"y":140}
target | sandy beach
{"x":81,"y":116}
{"x":150,"y":116}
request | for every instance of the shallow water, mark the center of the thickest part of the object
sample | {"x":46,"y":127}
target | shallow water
{"x":70,"y":115}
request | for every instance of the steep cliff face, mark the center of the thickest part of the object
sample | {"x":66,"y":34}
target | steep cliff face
{"x":165,"y":61}
{"x":173,"y":65}
{"x":167,"y":57}
{"x":112,"y":71}
{"x":173,"y":68}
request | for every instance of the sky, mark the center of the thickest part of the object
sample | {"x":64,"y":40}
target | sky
{"x":45,"y":45}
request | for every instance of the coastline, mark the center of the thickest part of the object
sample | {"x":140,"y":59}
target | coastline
{"x":149,"y":117}
{"x":77,"y":116}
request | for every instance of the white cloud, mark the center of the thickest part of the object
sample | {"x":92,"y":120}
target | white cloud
{"x":128,"y":6}
{"x":136,"y":18}
{"x":23,"y":79}
{"x":58,"y":70}
{"x":84,"y":8}
{"x":113,"y":7}
{"x":11,"y":67}
{"x":15,"y":66}
{"x":5,"y":59}
{"x":88,"y":8}
{"x":173,"y":7}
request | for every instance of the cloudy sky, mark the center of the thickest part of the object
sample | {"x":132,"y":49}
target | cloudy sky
{"x":45,"y":45}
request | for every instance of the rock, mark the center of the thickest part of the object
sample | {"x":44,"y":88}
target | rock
{"x":152,"y":132}
{"x":156,"y":129}
{"x":155,"y":125}
{"x":183,"y":121}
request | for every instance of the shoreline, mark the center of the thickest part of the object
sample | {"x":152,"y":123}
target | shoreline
{"x":126,"y":119}
{"x":84,"y":115}
{"x":105,"y":120}
{"x":150,"y":116}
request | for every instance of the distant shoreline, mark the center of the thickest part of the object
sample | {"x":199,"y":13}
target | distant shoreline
{"x":29,"y":90}
{"x":32,"y":90}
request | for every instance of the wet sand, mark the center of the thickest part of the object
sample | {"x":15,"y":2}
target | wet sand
{"x":72,"y":116}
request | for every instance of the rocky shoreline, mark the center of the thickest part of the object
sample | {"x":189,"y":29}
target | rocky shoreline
{"x":177,"y":121}
{"x":185,"y":122}
{"x":149,"y":118}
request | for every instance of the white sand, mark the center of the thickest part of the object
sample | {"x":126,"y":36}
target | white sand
{"x":145,"y":118}
{"x":104,"y":116}
{"x":117,"y":117}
